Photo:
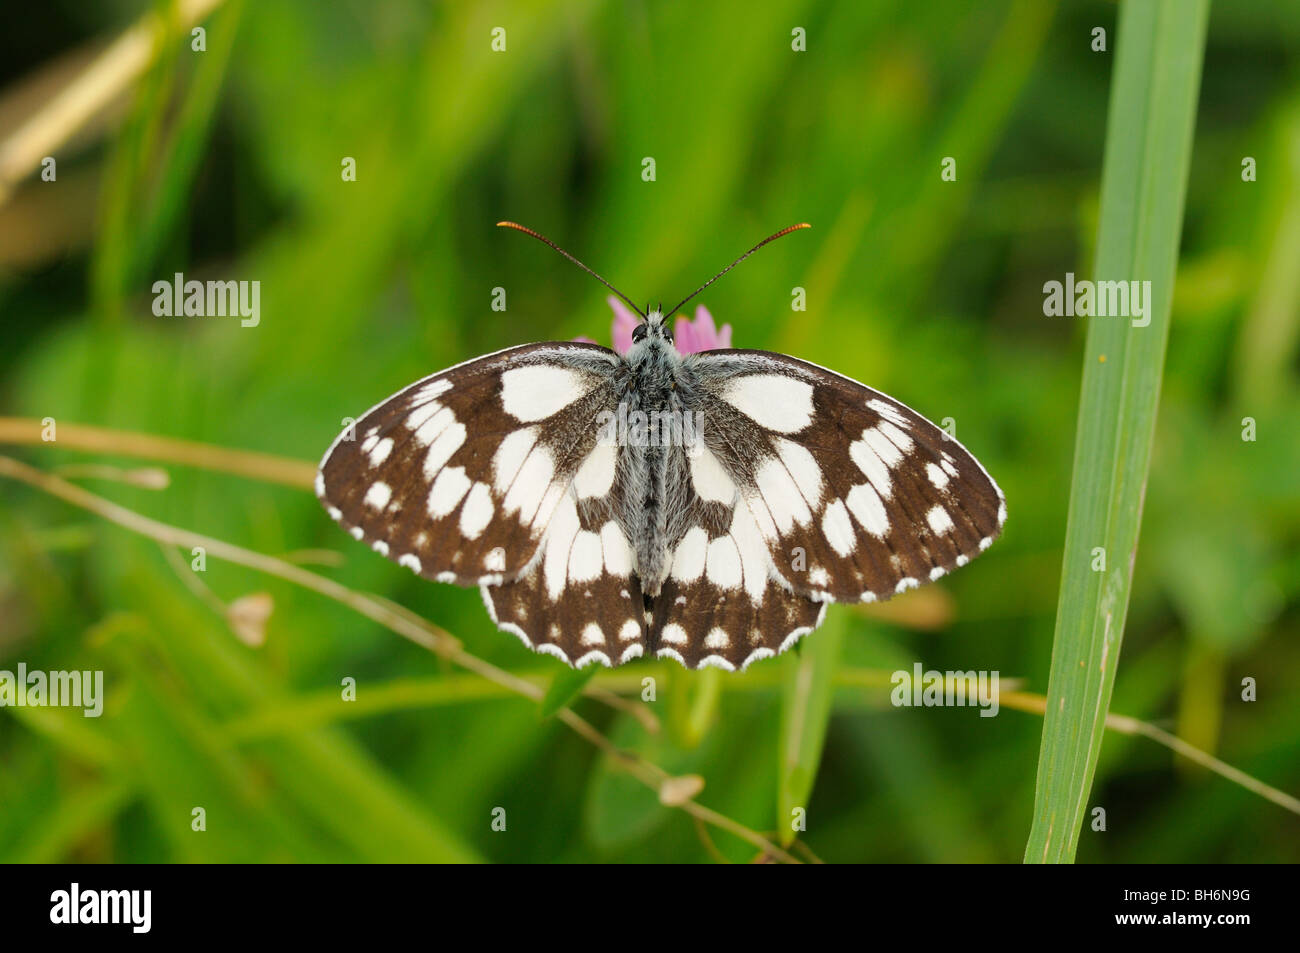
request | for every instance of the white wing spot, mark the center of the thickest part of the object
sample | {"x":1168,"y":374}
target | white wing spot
{"x":546,"y":507}
{"x":838,"y":528}
{"x":431,"y":390}
{"x":596,"y":475}
{"x":936,"y":475}
{"x":885,"y":448}
{"x":888,"y":411}
{"x":378,"y":495}
{"x":906,"y":584}
{"x":510,"y":456}
{"x":379,"y":453}
{"x":592,"y":635}
{"x":443,"y":446}
{"x":537,"y":391}
{"x":630,"y":632}
{"x":411,"y":562}
{"x":674,"y":634}
{"x":447,"y":491}
{"x":754,"y":556}
{"x":774,"y":401}
{"x":595,"y":655}
{"x":716,"y":661}
{"x":895,"y":436}
{"x":530,"y":484}
{"x":585,"y":559}
{"x":495,"y":560}
{"x":871,"y":465}
{"x":717,"y":639}
{"x":420,"y":412}
{"x":762,"y":517}
{"x":559,"y":541}
{"x":618,"y":553}
{"x":723,"y":563}
{"x":803,"y":469}
{"x":939,"y":520}
{"x":477,"y":511}
{"x":867,"y":509}
{"x":710,"y":479}
{"x":781,"y":495}
{"x":546,"y":648}
{"x":380,"y":547}
{"x":689,"y":557}
{"x":430,"y":427}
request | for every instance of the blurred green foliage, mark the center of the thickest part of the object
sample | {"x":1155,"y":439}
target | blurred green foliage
{"x":226,"y":164}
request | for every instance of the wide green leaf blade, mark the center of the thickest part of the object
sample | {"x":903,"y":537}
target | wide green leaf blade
{"x":1144,"y":178}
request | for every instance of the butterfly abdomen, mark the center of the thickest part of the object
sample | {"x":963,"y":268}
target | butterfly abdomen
{"x":650,"y":459}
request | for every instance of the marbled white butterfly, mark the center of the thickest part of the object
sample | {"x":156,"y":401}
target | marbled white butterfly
{"x":703,"y":507}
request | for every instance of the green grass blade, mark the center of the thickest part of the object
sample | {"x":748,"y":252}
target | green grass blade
{"x":1144,"y":177}
{"x":566,"y":687}
{"x":805,"y":715}
{"x":78,"y":816}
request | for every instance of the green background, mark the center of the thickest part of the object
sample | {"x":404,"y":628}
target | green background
{"x":226,"y":164}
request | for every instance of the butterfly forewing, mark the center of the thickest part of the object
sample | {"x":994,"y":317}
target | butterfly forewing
{"x":856,"y":496}
{"x":458,"y":475}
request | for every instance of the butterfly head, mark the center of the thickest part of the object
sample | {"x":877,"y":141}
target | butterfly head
{"x":653,"y":331}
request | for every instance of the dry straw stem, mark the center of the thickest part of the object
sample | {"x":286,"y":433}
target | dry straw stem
{"x":90,"y":91}
{"x":406,"y":624}
{"x":245,"y":463}
{"x":1037,"y":704}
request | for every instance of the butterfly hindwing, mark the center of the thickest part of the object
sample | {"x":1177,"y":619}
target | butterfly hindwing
{"x":580,"y":600}
{"x":458,"y":475}
{"x":722,"y":603}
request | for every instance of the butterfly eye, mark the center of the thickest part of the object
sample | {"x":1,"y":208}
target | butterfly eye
{"x":639,"y":332}
{"x":668,"y":336}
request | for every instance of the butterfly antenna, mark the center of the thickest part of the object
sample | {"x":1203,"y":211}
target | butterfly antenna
{"x":542,"y":238}
{"x":770,"y":238}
